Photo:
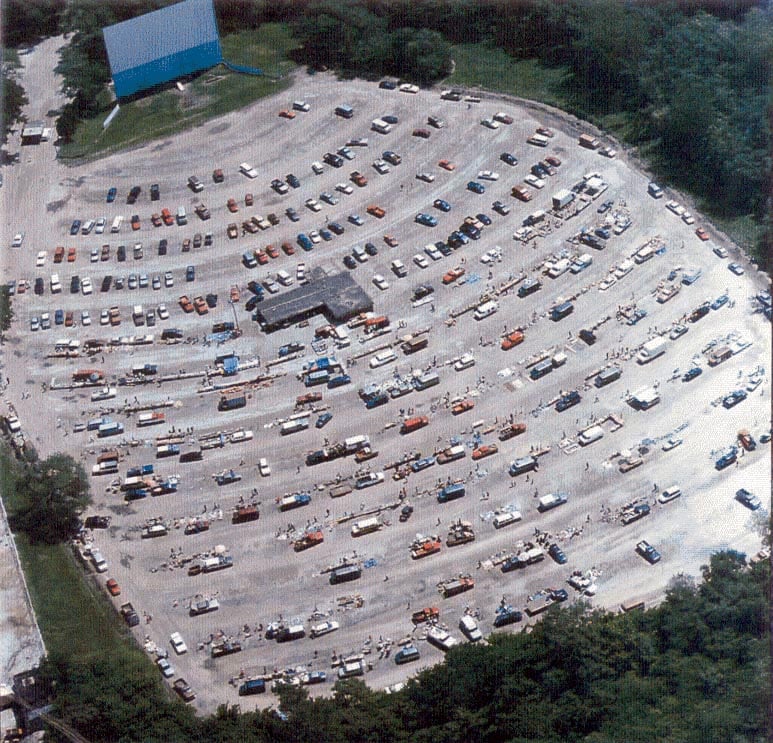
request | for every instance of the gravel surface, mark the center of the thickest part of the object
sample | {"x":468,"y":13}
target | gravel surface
{"x":269,"y":580}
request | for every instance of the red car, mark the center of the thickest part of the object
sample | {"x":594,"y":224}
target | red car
{"x":135,"y":221}
{"x":113,"y":588}
{"x":155,"y":220}
{"x":232,"y":206}
{"x":261,"y":257}
{"x":272,"y":251}
{"x":236,"y":295}
{"x":702,"y":234}
{"x":288,"y":249}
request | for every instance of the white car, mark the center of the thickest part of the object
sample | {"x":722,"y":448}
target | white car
{"x":323,"y":629}
{"x":669,"y":494}
{"x":490,"y":123}
{"x":688,"y":218}
{"x":671,"y":443}
{"x":488,"y":175}
{"x":300,"y":272}
{"x":99,"y":228}
{"x":491,"y":256}
{"x":313,"y":204}
{"x":382,"y":358}
{"x":344,"y":188}
{"x":532,"y":180}
{"x":248,"y":170}
{"x":86,"y":286}
{"x":85,"y":317}
{"x":163,"y":312}
{"x":34,"y":323}
{"x":165,"y":667}
{"x":420,"y":260}
{"x":94,"y":255}
{"x":720,"y":252}
{"x":263,"y":467}
{"x":317,"y":167}
{"x":366,"y":481}
{"x":168,"y":280}
{"x":315,"y":237}
{"x":178,"y":644}
{"x":106,"y":393}
{"x":380,"y":282}
{"x":104,"y":317}
{"x":381,"y":166}
{"x":156,"y":283}
{"x":408,"y":88}
{"x":41,"y":259}
{"x":18,"y":239}
{"x":433,"y":252}
{"x":426,"y":177}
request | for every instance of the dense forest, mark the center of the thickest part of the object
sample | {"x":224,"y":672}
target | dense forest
{"x":694,"y":670}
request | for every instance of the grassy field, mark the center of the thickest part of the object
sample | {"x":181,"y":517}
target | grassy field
{"x":75,"y":619}
{"x":489,"y":67}
{"x":210,"y":94}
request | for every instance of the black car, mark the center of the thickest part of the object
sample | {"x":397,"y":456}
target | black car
{"x":557,"y":554}
{"x":190,"y":273}
{"x":371,"y":249}
{"x":588,"y":336}
{"x":484,"y":218}
{"x":506,"y":157}
{"x":349,"y":262}
{"x":336,"y":227}
{"x":387,"y":85}
{"x":421,"y":291}
{"x":605,"y":207}
{"x":748,"y":499}
{"x":155,"y":192}
{"x":40,"y":286}
{"x":211,"y":300}
{"x":405,"y":513}
{"x":292,"y":181}
{"x":292,"y":215}
{"x":75,"y":227}
{"x":390,"y":119}
{"x":332,"y":159}
{"x":75,"y":284}
{"x":106,"y":282}
{"x":162,"y":246}
{"x":207,"y":239}
{"x":111,"y":194}
{"x":133,"y":194}
{"x":255,"y":287}
{"x":121,"y":253}
{"x":252,"y":302}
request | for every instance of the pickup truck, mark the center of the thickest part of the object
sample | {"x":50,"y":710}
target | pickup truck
{"x":634,"y":514}
{"x":514,"y":429}
{"x":202,"y":606}
{"x":545,"y":600}
{"x":182,"y":687}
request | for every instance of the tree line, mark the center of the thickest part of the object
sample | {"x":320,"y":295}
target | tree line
{"x":693,"y":669}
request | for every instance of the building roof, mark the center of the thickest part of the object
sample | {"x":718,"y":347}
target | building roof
{"x":338,"y":296}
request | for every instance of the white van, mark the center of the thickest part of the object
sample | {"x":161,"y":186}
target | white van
{"x":116,"y":226}
{"x":465,"y":361}
{"x":284,"y":278}
{"x":382,"y":357}
{"x":669,"y":494}
{"x":470,"y":628}
{"x":380,"y":126}
{"x":559,"y":268}
{"x":341,"y":336}
{"x":589,"y":435}
{"x":486,"y":310}
{"x":505,"y":519}
{"x":99,"y":562}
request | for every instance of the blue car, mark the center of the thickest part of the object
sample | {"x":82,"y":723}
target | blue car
{"x":719,"y":302}
{"x":734,"y":398}
{"x":476,"y":187}
{"x":75,"y":227}
{"x":506,"y":157}
{"x":442,"y":204}
{"x":696,"y":371}
{"x":422,"y":464}
{"x":305,"y":241}
{"x":484,"y":218}
{"x":326,"y":235}
{"x":323,"y":420}
{"x":111,"y":194}
{"x":59,"y":317}
{"x":426,"y":219}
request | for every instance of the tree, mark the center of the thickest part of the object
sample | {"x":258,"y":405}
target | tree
{"x":14,"y":99}
{"x":6,"y":311}
{"x":53,"y":494}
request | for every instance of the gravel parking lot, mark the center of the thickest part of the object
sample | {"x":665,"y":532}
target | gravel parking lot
{"x":269,"y":581}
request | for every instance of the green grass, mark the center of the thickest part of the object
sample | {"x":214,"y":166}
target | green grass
{"x":489,"y":67}
{"x":75,"y":619}
{"x":213,"y":93}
